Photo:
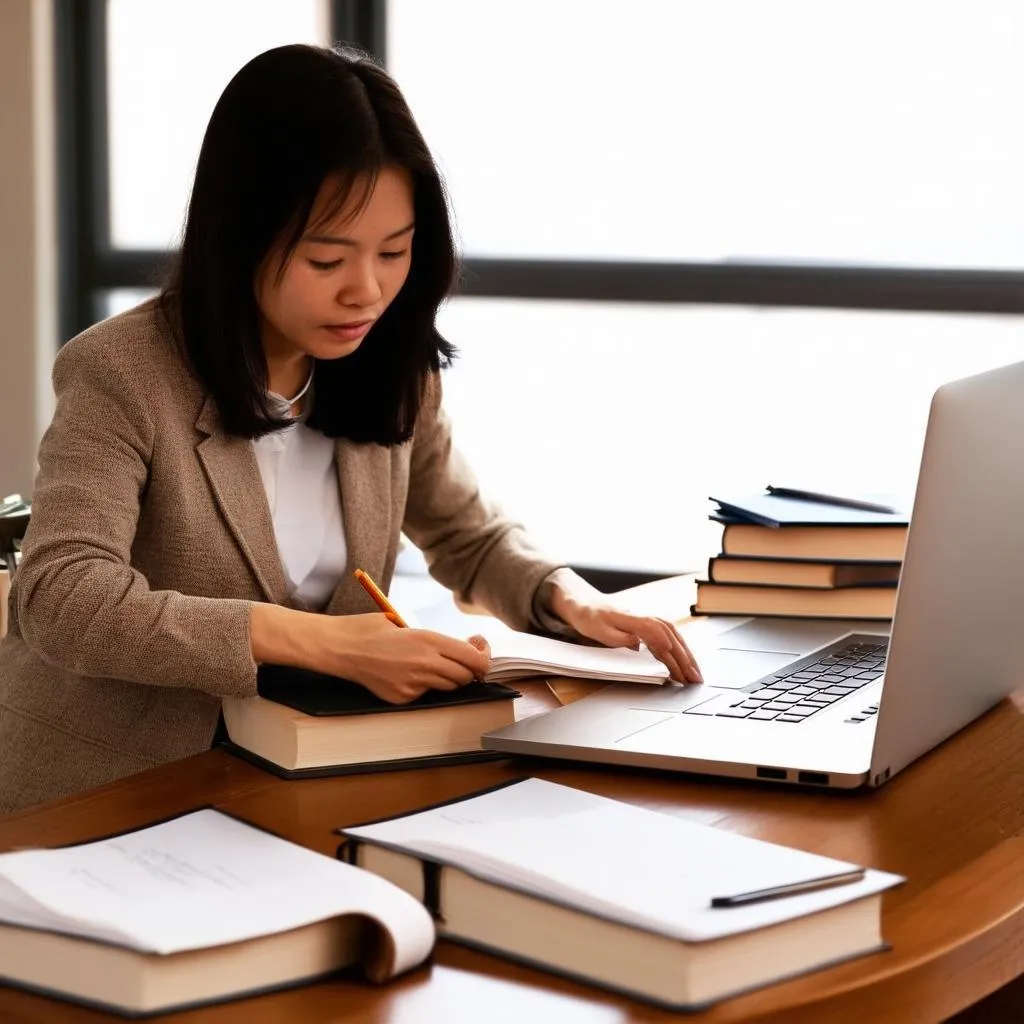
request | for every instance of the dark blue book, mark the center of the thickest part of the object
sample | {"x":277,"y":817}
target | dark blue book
{"x":777,"y":510}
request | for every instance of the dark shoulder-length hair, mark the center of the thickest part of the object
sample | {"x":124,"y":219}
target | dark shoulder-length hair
{"x":288,"y":120}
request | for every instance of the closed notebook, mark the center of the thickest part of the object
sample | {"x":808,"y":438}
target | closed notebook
{"x":194,"y":910}
{"x":799,"y":602}
{"x":620,"y":896}
{"x":307,"y":723}
{"x":775,"y":572}
{"x":778,"y":510}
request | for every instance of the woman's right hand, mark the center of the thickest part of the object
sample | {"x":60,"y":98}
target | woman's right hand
{"x":396,"y":664}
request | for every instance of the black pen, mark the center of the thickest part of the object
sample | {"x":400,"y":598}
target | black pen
{"x":793,"y":889}
{"x":829,"y":499}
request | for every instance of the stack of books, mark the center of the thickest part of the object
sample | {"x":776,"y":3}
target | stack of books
{"x":805,"y":555}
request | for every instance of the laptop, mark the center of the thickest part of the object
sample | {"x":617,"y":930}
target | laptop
{"x":844,"y":705}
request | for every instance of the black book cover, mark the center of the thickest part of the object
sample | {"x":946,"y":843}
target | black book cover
{"x":314,"y":693}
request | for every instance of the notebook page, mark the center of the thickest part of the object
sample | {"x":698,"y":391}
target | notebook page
{"x":514,"y":653}
{"x":641,"y":867}
{"x":200,"y":880}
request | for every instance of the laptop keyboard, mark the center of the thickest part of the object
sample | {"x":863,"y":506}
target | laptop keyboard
{"x":800,"y":690}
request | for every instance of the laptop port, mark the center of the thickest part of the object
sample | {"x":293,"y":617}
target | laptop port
{"x":814,"y":778}
{"x":772,"y":773}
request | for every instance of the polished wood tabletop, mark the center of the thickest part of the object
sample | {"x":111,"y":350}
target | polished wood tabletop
{"x":953,"y":823}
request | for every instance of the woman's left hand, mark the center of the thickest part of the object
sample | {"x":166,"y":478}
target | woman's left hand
{"x":591,"y":614}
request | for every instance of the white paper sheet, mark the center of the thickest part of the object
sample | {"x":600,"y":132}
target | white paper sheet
{"x":200,"y":880}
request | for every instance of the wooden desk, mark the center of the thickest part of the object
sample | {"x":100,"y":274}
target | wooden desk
{"x":953,"y":823}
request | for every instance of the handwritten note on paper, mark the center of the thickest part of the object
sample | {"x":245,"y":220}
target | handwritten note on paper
{"x":199,"y":880}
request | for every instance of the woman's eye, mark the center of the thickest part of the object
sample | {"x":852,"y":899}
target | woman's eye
{"x":321,"y":265}
{"x":393,"y":255}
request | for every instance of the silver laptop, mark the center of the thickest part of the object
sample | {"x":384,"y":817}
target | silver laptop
{"x":840,"y":704}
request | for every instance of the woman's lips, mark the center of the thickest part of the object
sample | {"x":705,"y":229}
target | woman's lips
{"x":351,"y":331}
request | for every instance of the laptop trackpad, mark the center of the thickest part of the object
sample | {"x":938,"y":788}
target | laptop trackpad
{"x":734,"y":668}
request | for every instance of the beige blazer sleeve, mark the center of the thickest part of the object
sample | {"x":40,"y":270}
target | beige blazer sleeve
{"x":469,"y":545}
{"x":80,"y":604}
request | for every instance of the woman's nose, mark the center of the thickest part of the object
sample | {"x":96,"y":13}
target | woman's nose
{"x":360,"y":287}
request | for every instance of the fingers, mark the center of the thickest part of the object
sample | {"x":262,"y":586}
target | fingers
{"x":613,"y":628}
{"x":456,"y":673}
{"x":679,"y":655}
{"x":403,"y":693}
{"x":664,"y":641}
{"x":399,"y":665}
{"x":443,"y":682}
{"x":473,"y":655}
{"x":481,"y":644}
{"x":416,"y":685}
{"x":620,"y":629}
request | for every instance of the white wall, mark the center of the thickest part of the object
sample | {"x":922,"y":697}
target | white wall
{"x":28,"y":290}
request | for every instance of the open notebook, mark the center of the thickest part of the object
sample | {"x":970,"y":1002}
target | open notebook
{"x":516,"y":655}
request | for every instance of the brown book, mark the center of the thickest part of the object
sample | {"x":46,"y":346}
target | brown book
{"x":775,"y":572}
{"x":197,"y":909}
{"x":306,"y":723}
{"x":816,"y":543}
{"x":797,"y":602}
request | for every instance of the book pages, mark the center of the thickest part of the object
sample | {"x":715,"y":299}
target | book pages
{"x":200,"y":880}
{"x":515,"y":655}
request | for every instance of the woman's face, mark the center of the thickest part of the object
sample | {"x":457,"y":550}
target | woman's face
{"x":343,"y":274}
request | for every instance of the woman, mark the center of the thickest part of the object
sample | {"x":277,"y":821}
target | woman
{"x":222,"y":457}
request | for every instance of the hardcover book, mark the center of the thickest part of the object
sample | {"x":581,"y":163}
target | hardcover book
{"x":800,"y":602}
{"x":780,"y":572}
{"x":626,"y":898}
{"x":307,"y":724}
{"x":781,"y":510}
{"x":813,"y":543}
{"x":196,"y":910}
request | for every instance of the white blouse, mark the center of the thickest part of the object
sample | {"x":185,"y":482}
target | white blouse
{"x":300,"y":478}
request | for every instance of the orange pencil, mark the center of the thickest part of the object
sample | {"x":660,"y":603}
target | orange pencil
{"x":380,"y":599}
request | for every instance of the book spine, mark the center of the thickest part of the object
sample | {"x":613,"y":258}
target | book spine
{"x":747,"y":516}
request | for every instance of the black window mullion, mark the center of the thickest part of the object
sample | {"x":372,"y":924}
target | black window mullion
{"x":974,"y":291}
{"x":83,"y":163}
{"x":361,"y":23}
{"x":964,"y":291}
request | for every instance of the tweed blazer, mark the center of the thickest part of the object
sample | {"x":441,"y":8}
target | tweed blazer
{"x":151,"y":538}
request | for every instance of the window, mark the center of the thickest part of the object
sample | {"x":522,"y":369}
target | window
{"x":606,"y":426}
{"x":708,"y":246}
{"x":790,"y":131}
{"x":137,"y":84}
{"x":167,"y":62}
